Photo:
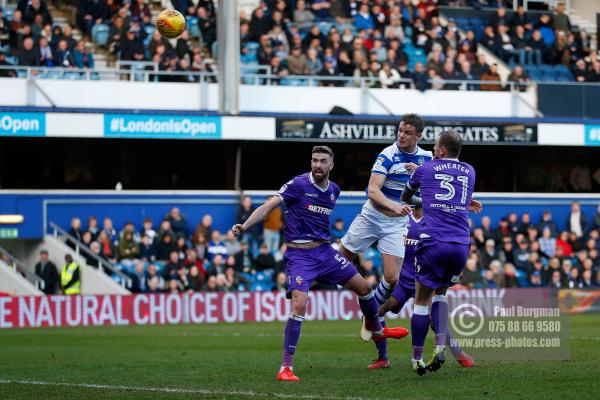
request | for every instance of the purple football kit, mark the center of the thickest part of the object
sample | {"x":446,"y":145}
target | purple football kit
{"x":307,"y":218}
{"x":446,"y":187}
{"x":405,"y":289}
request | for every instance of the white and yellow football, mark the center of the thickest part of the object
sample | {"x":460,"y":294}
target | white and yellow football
{"x":170,"y":23}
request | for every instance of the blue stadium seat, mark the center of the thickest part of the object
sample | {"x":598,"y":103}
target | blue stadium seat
{"x":100,"y":34}
{"x":21,"y":74}
{"x":324,"y":27}
{"x":462,"y":22}
{"x":192,"y":27}
{"x":261,"y":281}
{"x":13,"y":60}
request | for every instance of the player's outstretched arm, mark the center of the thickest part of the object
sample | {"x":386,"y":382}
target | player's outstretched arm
{"x":376,"y":196}
{"x":408,"y":196}
{"x":258,"y":215}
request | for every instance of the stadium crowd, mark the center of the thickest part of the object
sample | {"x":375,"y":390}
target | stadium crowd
{"x":393,"y":44}
{"x":169,"y":257}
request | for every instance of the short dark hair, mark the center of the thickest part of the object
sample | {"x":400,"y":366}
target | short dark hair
{"x":323,"y":150}
{"x":452,"y":142}
{"x":414,"y":120}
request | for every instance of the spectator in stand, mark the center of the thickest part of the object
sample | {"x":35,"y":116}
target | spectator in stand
{"x":297,"y":62}
{"x":178,"y":222}
{"x":510,"y":276}
{"x":140,"y":9}
{"x":420,"y":78}
{"x":31,"y":8}
{"x":264,"y":260}
{"x":363,"y":19}
{"x":6,"y":73}
{"x":563,"y":242}
{"x":217,"y":266}
{"x":244,"y":260}
{"x":181,"y":246}
{"x":491,"y":40}
{"x":197,"y":279}
{"x":208,"y":27}
{"x":232,"y":243}
{"x":519,"y":78}
{"x":536,"y":49}
{"x":216,"y":246}
{"x":82,"y":56}
{"x":561,"y":20}
{"x":63,"y":56}
{"x":521,"y":257}
{"x":172,"y":266}
{"x":204,"y":228}
{"x":28,"y":54}
{"x":252,"y":235}
{"x":46,"y":57}
{"x":278,"y":69}
{"x":128,"y":248}
{"x":491,"y":75}
{"x":547,"y":222}
{"x":577,"y":222}
{"x":138,"y":278}
{"x":547,"y":243}
{"x":465,"y":74}
{"x":272,"y":224}
{"x":389,"y":77}
{"x":146,"y":249}
{"x":130,"y":45}
{"x":47,"y":270}
{"x":154,"y":282}
{"x":111,"y":233}
{"x":315,"y":65}
{"x":471,"y":277}
{"x":303,"y":18}
{"x":594,"y":72}
{"x":449,"y":74}
{"x":94,"y":12}
{"x":165,"y":247}
{"x":579,"y":71}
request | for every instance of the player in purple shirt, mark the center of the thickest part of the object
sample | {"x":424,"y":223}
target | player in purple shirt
{"x":405,"y":289}
{"x":309,"y":200}
{"x":446,"y":186}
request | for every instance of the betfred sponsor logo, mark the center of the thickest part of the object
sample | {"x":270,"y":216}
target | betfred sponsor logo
{"x":320,"y":210}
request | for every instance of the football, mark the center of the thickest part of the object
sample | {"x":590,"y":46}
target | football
{"x":170,"y":23}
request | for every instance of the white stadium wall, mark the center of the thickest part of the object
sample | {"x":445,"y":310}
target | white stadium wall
{"x":186,"y":96}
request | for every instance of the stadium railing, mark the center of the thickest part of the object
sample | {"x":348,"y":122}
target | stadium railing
{"x":21,"y":268}
{"x":260,"y":75}
{"x":83,"y":251}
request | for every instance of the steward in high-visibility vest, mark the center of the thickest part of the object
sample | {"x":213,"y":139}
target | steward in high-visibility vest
{"x":70,"y":278}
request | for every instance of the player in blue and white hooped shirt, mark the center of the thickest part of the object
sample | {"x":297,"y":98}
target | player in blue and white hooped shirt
{"x":384,"y":217}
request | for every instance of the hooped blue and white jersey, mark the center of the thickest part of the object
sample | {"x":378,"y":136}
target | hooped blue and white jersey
{"x":391,"y":163}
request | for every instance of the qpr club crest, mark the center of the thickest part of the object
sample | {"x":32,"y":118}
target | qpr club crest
{"x":299,"y":280}
{"x":421,"y":161}
{"x":332,"y":197}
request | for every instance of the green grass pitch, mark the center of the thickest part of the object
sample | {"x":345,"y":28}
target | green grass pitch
{"x":229,"y":361}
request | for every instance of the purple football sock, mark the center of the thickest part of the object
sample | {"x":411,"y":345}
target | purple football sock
{"x":292,"y":335}
{"x":370,"y":310}
{"x":451,"y":342}
{"x":419,"y":324}
{"x":382,"y":345}
{"x":439,"y":316}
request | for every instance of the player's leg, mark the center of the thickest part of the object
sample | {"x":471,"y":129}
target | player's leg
{"x":439,"y":319}
{"x":301,"y":267}
{"x":370,"y":310}
{"x":359,"y":237}
{"x":419,"y":324}
{"x":397,"y":300}
{"x":391,"y":247}
{"x":292,"y":335}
